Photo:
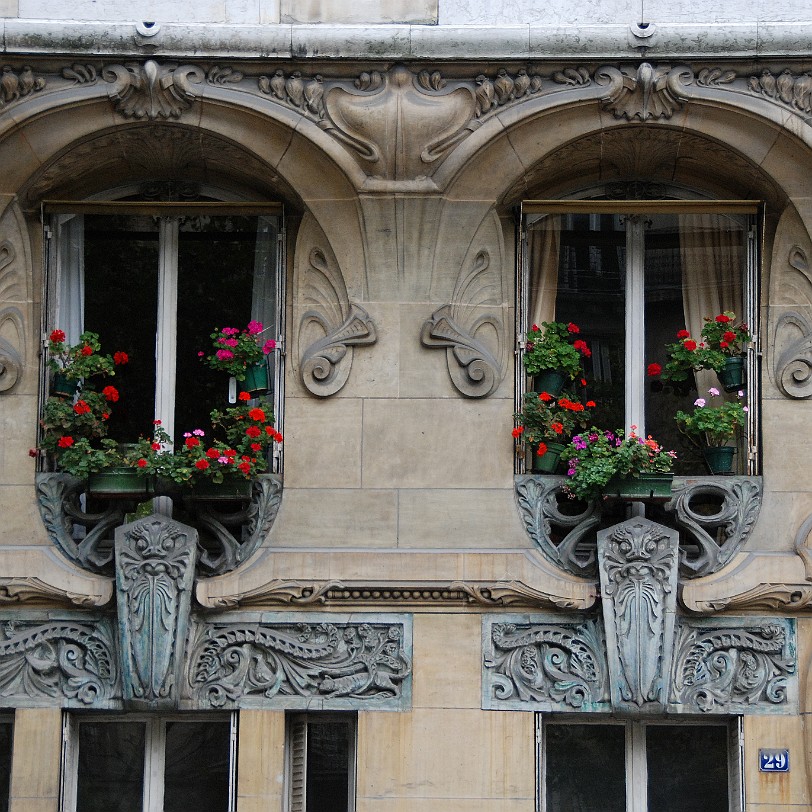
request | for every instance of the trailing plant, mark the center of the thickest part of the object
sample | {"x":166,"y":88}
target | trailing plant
{"x":554,"y":346}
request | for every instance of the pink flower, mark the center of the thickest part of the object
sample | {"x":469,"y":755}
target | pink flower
{"x":201,"y":354}
{"x":699,"y":402}
{"x":269,"y":346}
{"x":230,"y":342}
{"x":254,"y":327}
{"x":230,"y":331}
{"x":199,"y":433}
{"x":224,"y":355}
{"x":713,"y":391}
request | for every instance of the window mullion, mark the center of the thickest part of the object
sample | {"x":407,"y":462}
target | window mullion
{"x":636,"y":769}
{"x":154,"y":764}
{"x":166,"y":338}
{"x":635,"y":325}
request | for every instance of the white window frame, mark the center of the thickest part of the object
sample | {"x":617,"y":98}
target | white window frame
{"x":634,"y":211}
{"x":65,"y":297}
{"x":296,"y":727}
{"x":154,"y":754}
{"x":635,"y":765}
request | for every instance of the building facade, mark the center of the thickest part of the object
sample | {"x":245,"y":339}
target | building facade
{"x":402,"y":614}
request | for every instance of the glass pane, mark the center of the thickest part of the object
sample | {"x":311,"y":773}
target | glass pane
{"x":197,"y":767}
{"x":121,"y":305}
{"x":585,"y":768}
{"x":217,"y":258}
{"x":111,"y":767}
{"x":687,"y":768}
{"x":6,"y":731}
{"x":328,"y":766}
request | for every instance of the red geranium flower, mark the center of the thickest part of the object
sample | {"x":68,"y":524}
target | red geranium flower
{"x":81,"y":407}
{"x":110,"y":393}
{"x":105,"y":415}
{"x":245,"y":467}
{"x":87,"y":350}
{"x":191,"y":442}
{"x":541,"y":450}
{"x":202,"y":464}
{"x":590,"y":404}
{"x":155,"y":446}
{"x":546,"y":397}
{"x":583,"y":381}
{"x":683,"y":334}
{"x":729,"y":336}
{"x":517,"y":432}
{"x":253,"y":431}
{"x":723,"y":319}
{"x":244,"y":396}
{"x":142,"y":463}
{"x":558,"y":428}
{"x":65,"y":442}
{"x":278,"y":437}
{"x":256,"y":446}
{"x":120,"y":358}
{"x":573,"y":328}
{"x":724,"y":344}
{"x":689,"y":344}
{"x":57,"y":336}
{"x":256,"y":414}
{"x":213,"y":453}
{"x":653,"y":370}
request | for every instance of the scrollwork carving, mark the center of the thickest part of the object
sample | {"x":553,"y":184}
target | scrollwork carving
{"x":793,"y":366}
{"x":152,"y":91}
{"x":554,"y":666}
{"x":22,"y":590}
{"x":719,"y":535}
{"x":650,"y":93}
{"x":67,"y":662}
{"x":155,"y":564}
{"x":297,"y":664}
{"x":724,"y":668}
{"x":81,"y":74}
{"x":11,"y":352}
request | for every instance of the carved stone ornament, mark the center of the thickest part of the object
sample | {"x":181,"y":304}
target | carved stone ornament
{"x":14,"y":590}
{"x":68,"y":661}
{"x":715,"y":514}
{"x":155,"y":566}
{"x":85,"y":538}
{"x":330,"y":327}
{"x":553,"y":664}
{"x":637,"y":561}
{"x":16,"y":85}
{"x":790,"y":89}
{"x":11,"y":351}
{"x":152,"y":91}
{"x":647,"y":93}
{"x":735,"y":665}
{"x":302,"y":661}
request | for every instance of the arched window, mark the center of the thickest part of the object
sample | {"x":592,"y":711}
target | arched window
{"x":632,"y":274}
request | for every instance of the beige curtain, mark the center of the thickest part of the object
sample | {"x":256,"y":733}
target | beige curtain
{"x":712,"y":256}
{"x":543,"y":246}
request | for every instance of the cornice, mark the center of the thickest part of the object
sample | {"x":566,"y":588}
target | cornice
{"x":23,"y":37}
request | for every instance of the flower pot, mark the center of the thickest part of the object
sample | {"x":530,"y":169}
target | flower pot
{"x":731,"y":377}
{"x":646,"y":487}
{"x":120,"y":483}
{"x":62,"y":387}
{"x":256,"y":379}
{"x":719,"y":459}
{"x":549,"y":380}
{"x":227,"y":490}
{"x":547,"y":462}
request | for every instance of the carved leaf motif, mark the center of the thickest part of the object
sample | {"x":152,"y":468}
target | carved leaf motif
{"x":710,"y":77}
{"x":789,"y":89}
{"x":223,"y":76}
{"x":10,"y":281}
{"x":577,"y":77}
{"x":81,"y":74}
{"x":232,"y":662}
{"x":650,"y":93}
{"x":151,"y":90}
{"x":15,"y":86}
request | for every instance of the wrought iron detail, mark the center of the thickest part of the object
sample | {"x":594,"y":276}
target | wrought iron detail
{"x":719,"y":535}
{"x":558,"y":665}
{"x":296,"y":664}
{"x":537,"y":499}
{"x":735,"y":666}
{"x":637,"y":561}
{"x":68,"y":662}
{"x":155,"y":565}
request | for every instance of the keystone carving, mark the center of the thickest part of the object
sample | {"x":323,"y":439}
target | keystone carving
{"x":14,"y":85}
{"x":301,"y":664}
{"x":152,"y":91}
{"x":637,"y":561}
{"x":155,"y":566}
{"x":64,"y":662}
{"x":788,"y":88}
{"x":649,"y":93}
{"x":557,"y":666}
{"x":720,"y":667}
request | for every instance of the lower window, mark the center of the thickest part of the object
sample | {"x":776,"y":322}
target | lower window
{"x":639,"y":766}
{"x":320,"y":765}
{"x":6,"y":735}
{"x":149,"y":764}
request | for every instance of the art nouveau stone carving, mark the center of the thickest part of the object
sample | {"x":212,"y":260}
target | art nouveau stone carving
{"x":637,"y":561}
{"x":331,"y":325}
{"x":292,"y":661}
{"x":545,"y":522}
{"x":717,"y":535}
{"x":14,"y":590}
{"x":793,"y":364}
{"x":647,"y":93}
{"x":733,"y":666}
{"x":66,"y":661}
{"x":556,"y":665}
{"x":11,"y":349}
{"x":152,"y":91}
{"x":155,"y":566}
{"x":18,"y":84}
{"x":788,"y":88}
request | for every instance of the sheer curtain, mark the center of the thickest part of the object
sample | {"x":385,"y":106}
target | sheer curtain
{"x":543,"y":247}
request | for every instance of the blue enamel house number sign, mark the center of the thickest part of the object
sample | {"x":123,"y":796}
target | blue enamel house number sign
{"x":773,"y":761}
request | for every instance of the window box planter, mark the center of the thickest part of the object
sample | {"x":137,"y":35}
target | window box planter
{"x":116,"y":483}
{"x":546,"y":463}
{"x":256,"y":379}
{"x":645,"y":488}
{"x":228,"y":490}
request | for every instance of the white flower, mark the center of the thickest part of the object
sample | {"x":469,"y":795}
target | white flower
{"x":713,"y":391}
{"x":699,"y":402}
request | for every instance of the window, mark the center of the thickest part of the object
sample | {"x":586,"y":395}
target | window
{"x":640,"y":766}
{"x":320,"y":765}
{"x":631,"y":274}
{"x":154,"y":281}
{"x":6,"y":736}
{"x":149,"y":764}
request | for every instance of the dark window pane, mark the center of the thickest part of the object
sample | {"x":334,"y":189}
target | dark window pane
{"x":197,"y":767}
{"x":687,"y":768}
{"x":328,"y":766}
{"x":6,"y":732}
{"x":121,"y":305}
{"x":111,"y":767}
{"x":585,"y":768}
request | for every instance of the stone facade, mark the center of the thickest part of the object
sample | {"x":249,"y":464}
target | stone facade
{"x":399,"y":564}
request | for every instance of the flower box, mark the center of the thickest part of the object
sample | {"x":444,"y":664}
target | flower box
{"x":228,"y":490}
{"x":120,"y":483}
{"x":645,"y":488}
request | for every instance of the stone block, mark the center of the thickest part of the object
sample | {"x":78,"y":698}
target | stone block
{"x":782,"y":513}
{"x":9,"y":8}
{"x":787,"y":445}
{"x":18,"y":423}
{"x":37,"y":750}
{"x":436,"y":443}
{"x":784,"y":790}
{"x":361,"y":12}
{"x":22,"y":522}
{"x":204,"y":11}
{"x":451,"y":42}
{"x":261,"y":754}
{"x":323,"y":442}
{"x":368,"y":41}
